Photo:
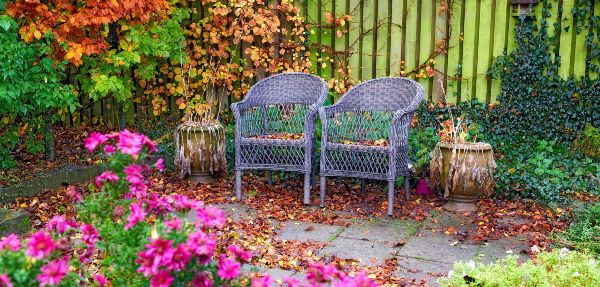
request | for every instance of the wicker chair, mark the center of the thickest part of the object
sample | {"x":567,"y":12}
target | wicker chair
{"x":275,"y":126}
{"x":365,"y":134}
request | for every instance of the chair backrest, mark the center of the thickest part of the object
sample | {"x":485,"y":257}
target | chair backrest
{"x":383,"y":94}
{"x":287,"y":88}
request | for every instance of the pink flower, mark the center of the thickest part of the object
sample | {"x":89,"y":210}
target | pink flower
{"x":94,"y":140}
{"x":159,"y":204}
{"x":174,"y":223}
{"x":40,"y":245}
{"x":5,"y":281}
{"x":228,"y":268}
{"x":137,"y":190}
{"x":211,"y":216}
{"x":181,"y":257}
{"x":158,"y":253}
{"x":60,"y":224}
{"x":130,"y":143}
{"x":291,"y":282}
{"x":118,"y":211}
{"x":160,"y":164}
{"x":106,"y":176}
{"x":137,"y":215}
{"x":361,"y":280}
{"x":89,"y":235}
{"x":320,"y":273}
{"x":239,"y":253}
{"x":134,"y":174}
{"x":161,"y":279}
{"x":183,"y":203}
{"x":201,"y":280}
{"x":101,"y":280}
{"x":73,"y":195}
{"x":110,"y":149}
{"x":53,"y":272}
{"x":265,"y":281}
{"x":11,"y":242}
{"x":201,"y":245}
{"x":151,"y":145}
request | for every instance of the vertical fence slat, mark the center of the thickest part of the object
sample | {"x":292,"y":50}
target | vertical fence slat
{"x":367,"y":53}
{"x":499,"y":41}
{"x":469,"y":50}
{"x":483,"y":49}
{"x":383,"y":18}
{"x":425,"y":40}
{"x":441,"y":33}
{"x":396,"y":37}
{"x":454,"y":53}
{"x":565,"y":39}
{"x":354,"y":37}
{"x":411,"y":35}
{"x":580,"y":52}
{"x":326,"y":40}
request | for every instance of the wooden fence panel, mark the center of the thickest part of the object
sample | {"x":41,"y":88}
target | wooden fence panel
{"x":395,"y":37}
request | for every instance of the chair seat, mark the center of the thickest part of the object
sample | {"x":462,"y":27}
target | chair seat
{"x":271,"y":142}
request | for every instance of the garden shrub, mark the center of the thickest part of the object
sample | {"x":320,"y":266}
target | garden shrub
{"x":31,"y":92}
{"x":559,"y":268}
{"x":584,"y":231}
{"x":124,"y":235}
{"x":543,"y":170}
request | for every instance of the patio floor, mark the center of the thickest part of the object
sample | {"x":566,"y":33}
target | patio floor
{"x":424,"y":251}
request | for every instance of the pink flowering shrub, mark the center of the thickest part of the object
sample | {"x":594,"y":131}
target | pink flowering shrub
{"x":125,"y":235}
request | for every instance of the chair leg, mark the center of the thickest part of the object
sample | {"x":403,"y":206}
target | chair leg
{"x":323,"y":190}
{"x":307,"y":188}
{"x":407,"y":187}
{"x":238,"y":184}
{"x":313,"y":178}
{"x":270,"y":179}
{"x":362,"y":185}
{"x":390,"y":197}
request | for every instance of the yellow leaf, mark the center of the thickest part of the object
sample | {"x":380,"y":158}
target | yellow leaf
{"x":182,"y":106}
{"x":5,"y":120}
{"x":37,"y":34}
{"x":115,"y":2}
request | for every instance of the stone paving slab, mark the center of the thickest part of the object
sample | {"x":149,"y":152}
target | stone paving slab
{"x":368,"y":253}
{"x":418,"y":269}
{"x":388,"y":231}
{"x":496,"y":249}
{"x":304,"y":231}
{"x":441,"y":221}
{"x":236,"y":211}
{"x":439,"y":248}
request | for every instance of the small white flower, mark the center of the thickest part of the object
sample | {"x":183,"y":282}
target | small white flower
{"x":471,"y":264}
{"x":450,"y":273}
{"x":535,"y":249}
{"x":577,"y":274}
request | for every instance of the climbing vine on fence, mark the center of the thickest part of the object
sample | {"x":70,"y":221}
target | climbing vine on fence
{"x":535,"y":100}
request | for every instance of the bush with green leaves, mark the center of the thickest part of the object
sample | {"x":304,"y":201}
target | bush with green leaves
{"x":546,"y":171}
{"x":559,"y":268}
{"x":588,"y":142}
{"x":32,"y":92}
{"x":584,"y":231}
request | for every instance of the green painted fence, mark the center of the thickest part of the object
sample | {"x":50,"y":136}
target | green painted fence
{"x":386,"y":37}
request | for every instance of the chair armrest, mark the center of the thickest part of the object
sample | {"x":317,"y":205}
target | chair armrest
{"x":311,"y":115}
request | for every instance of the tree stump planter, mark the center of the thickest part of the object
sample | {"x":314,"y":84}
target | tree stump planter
{"x":200,"y":151}
{"x":463,"y":171}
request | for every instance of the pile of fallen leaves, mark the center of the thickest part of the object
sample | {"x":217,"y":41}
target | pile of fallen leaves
{"x":378,"y":143}
{"x":274,"y":205}
{"x":280,"y":136}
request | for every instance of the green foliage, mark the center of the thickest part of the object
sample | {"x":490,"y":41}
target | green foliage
{"x":544,"y":170}
{"x":560,"y":268}
{"x":30,"y":85}
{"x":584,"y":231}
{"x":141,"y":47}
{"x":421,"y":143}
{"x":535,"y":99}
{"x":588,"y":142}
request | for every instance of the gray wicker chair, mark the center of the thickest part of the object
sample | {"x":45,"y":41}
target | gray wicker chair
{"x":275,"y":126}
{"x":365,"y":133}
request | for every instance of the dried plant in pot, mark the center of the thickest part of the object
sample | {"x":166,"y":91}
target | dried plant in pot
{"x":200,"y":138}
{"x":460,"y":166}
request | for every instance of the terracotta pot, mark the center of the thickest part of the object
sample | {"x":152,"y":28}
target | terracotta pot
{"x":200,"y":151}
{"x":476,"y":157}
